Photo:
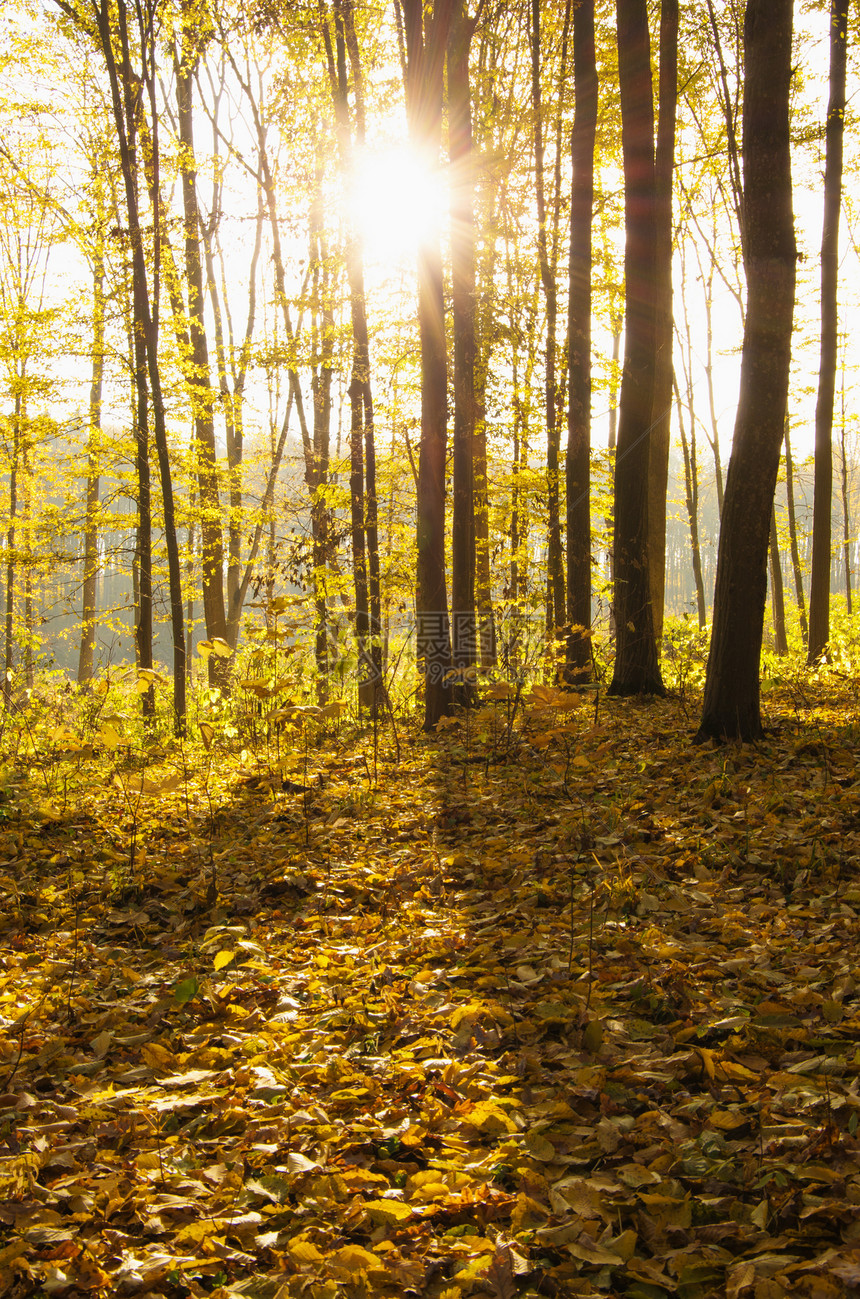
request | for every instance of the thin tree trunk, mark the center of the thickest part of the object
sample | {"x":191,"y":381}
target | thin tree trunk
{"x":731,"y":706}
{"x":780,"y":639}
{"x":555,"y":565}
{"x":426,"y":42}
{"x":374,"y":669}
{"x":846,"y":518}
{"x":150,"y":329}
{"x":661,"y":418}
{"x":323,"y":308}
{"x":126,"y":87}
{"x":691,"y":496}
{"x":198,"y":377}
{"x":11,"y":559}
{"x":714,"y":438}
{"x":483,"y":579}
{"x":460,"y":149}
{"x":578,"y":455}
{"x":819,"y":584}
{"x":27,"y":559}
{"x":637,"y":670}
{"x":91,"y":533}
{"x":792,"y":533}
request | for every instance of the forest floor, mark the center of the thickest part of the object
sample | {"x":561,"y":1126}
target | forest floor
{"x":563,"y":1007}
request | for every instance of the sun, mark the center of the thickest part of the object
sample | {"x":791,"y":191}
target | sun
{"x":397,"y":202}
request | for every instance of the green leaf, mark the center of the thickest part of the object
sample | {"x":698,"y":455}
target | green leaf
{"x":186,"y":990}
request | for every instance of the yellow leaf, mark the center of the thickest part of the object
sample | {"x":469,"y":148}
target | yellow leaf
{"x":303,"y":1253}
{"x":207,"y":733}
{"x":488,"y":1117}
{"x":157,"y":1056}
{"x":223,"y":958}
{"x":158,"y":787}
{"x":335,"y":709}
{"x":352,"y":1258}
{"x":539,"y":1148}
{"x":110,"y":737}
{"x":388,"y":1212}
{"x":707,"y":1061}
{"x":592,"y":1038}
{"x":197,"y":1232}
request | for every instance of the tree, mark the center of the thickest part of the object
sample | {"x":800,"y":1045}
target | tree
{"x":661,"y":417}
{"x":819,"y":587}
{"x":636,"y":670}
{"x":578,"y":455}
{"x":131,"y":92}
{"x":548,"y":225}
{"x":461,"y":154}
{"x":426,"y":32}
{"x":731,"y":706}
{"x":363,"y":503}
{"x":29,"y":233}
{"x":194,"y":29}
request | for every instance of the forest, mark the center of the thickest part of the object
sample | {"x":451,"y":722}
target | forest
{"x":429,"y":820}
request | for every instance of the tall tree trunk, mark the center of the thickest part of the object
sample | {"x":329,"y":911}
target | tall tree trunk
{"x":232,"y":398}
{"x":555,"y":565}
{"x":374,"y":670}
{"x":846,"y":518}
{"x":125,"y":95}
{"x":714,"y":438}
{"x":11,"y":558}
{"x":661,"y":417}
{"x":691,"y":496}
{"x":637,"y":669}
{"x":322,"y":300}
{"x":780,"y":639}
{"x":462,"y":187}
{"x":731,"y":706}
{"x":792,"y":533}
{"x":150,"y":323}
{"x":91,"y":531}
{"x":426,"y":30}
{"x":27,"y":557}
{"x":363,"y":504}
{"x":483,"y":579}
{"x":819,"y":585}
{"x":127,"y":89}
{"x":578,"y":455}
{"x":199,"y":381}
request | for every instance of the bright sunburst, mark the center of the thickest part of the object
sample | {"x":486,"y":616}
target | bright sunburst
{"x":397,"y":202}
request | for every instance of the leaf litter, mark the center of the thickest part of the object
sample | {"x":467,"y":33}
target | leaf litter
{"x":553,"y":1005}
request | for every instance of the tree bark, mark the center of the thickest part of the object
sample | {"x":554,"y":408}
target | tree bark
{"x":578,"y":454}
{"x":637,"y":670}
{"x":661,"y":417}
{"x":796,"y":567}
{"x":555,"y":564}
{"x":462,"y":187}
{"x":819,"y":585}
{"x":846,"y":517}
{"x":780,"y":639}
{"x":91,"y":533}
{"x":426,"y":31}
{"x":198,"y":372}
{"x":691,"y":496}
{"x":731,"y":706}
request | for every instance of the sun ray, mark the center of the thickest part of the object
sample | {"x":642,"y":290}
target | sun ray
{"x":397,"y":202}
